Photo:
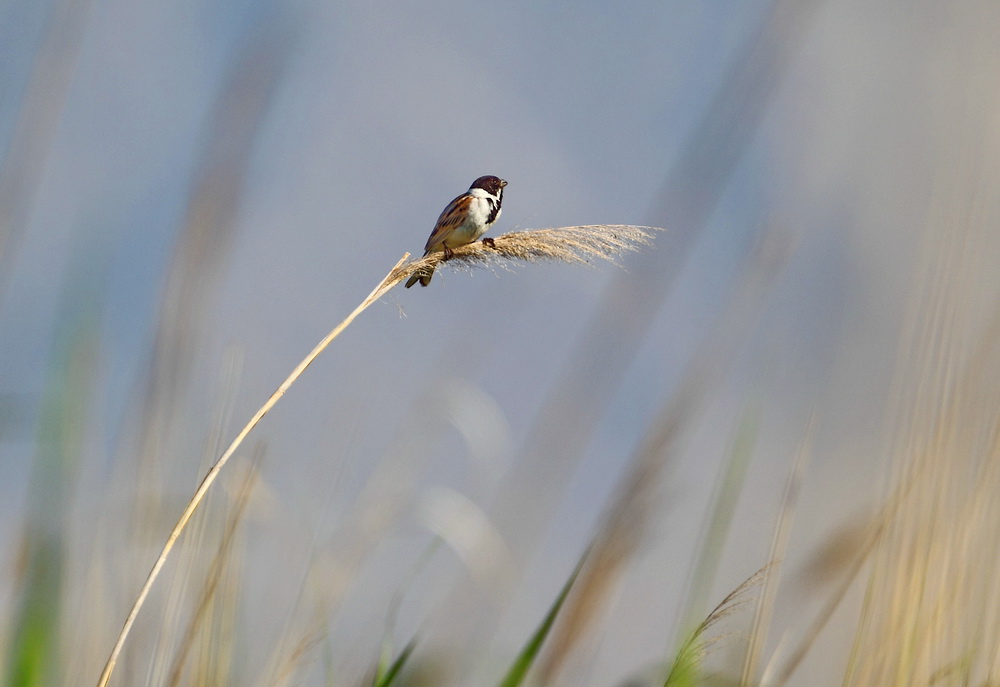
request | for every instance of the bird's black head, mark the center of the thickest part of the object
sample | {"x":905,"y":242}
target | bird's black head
{"x":490,"y":184}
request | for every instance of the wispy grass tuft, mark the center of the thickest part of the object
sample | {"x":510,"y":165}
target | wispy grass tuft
{"x":687,"y":664}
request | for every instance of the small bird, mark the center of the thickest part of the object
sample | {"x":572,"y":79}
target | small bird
{"x":464,"y":220}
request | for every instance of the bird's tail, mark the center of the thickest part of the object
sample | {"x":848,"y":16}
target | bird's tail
{"x":423,"y":277}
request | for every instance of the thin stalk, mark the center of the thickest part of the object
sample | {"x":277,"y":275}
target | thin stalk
{"x":394,"y":277}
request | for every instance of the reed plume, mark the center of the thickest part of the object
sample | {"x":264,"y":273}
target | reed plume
{"x":579,"y":244}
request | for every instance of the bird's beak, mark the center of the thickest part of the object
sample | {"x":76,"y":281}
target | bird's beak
{"x":502,"y":183}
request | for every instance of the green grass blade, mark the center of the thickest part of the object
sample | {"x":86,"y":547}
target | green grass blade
{"x":389,"y":677}
{"x":32,"y":654}
{"x":515,"y":676}
{"x":686,"y":670}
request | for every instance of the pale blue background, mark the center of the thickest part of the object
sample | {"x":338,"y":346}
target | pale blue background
{"x":379,"y":113}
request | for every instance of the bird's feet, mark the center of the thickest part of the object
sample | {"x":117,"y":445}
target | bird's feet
{"x":448,"y":253}
{"x":490,"y":243}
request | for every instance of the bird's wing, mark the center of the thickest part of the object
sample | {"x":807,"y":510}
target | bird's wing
{"x":451,"y":219}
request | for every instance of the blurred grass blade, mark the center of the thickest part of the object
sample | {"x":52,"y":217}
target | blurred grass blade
{"x":515,"y":676}
{"x":388,"y":677}
{"x":33,"y":648}
{"x":764,"y":612}
{"x":34,"y":645}
{"x":726,"y":494}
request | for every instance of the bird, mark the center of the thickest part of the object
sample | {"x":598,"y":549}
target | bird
{"x":463,"y":221}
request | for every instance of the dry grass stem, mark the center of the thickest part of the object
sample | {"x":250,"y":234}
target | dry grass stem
{"x":779,"y":547}
{"x":387,"y":283}
{"x":565,"y":244}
